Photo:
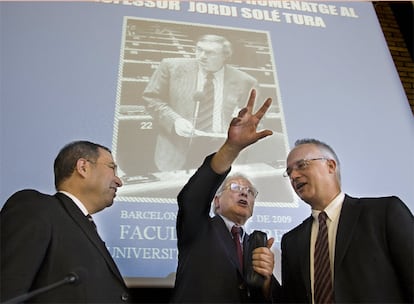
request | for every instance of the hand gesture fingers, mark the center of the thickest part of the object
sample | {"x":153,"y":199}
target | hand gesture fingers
{"x":242,"y":131}
{"x":263,"y":261}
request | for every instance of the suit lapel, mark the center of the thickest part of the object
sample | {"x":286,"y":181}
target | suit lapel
{"x":185,"y":77}
{"x":223,"y":235}
{"x":346,"y":227}
{"x":232,"y":92}
{"x":303,"y":246}
{"x":191,"y":76}
{"x":80,"y":219}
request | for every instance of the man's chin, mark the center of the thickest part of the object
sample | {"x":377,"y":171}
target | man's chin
{"x":302,"y":195}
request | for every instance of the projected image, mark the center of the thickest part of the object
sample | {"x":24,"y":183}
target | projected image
{"x":172,"y":111}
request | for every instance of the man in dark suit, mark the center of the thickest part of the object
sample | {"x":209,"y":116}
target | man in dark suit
{"x":47,"y":238}
{"x":371,"y":257}
{"x":176,"y":95}
{"x":208,"y":267}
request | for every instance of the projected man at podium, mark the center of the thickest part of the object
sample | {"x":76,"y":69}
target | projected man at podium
{"x":193,"y":101}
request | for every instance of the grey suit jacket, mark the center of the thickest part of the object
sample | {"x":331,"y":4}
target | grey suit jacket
{"x":170,"y":95}
{"x":43,"y":238}
{"x":374,"y":256}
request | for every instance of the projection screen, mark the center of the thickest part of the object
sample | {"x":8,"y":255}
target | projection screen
{"x":80,"y":70}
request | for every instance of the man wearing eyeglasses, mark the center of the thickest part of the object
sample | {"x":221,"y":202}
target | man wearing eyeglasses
{"x":369,"y":254}
{"x":209,"y":270}
{"x":193,"y":101}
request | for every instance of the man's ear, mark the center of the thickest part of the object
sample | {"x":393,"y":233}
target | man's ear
{"x":216,"y":203}
{"x":82,"y":166}
{"x":331,"y":165}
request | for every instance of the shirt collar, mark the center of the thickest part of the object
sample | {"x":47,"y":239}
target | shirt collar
{"x":77,"y":202}
{"x":217,"y":75}
{"x":333,"y":209}
{"x":230,"y":224}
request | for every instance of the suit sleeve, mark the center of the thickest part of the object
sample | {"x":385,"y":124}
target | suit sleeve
{"x":25,"y":231}
{"x":400,"y":236}
{"x":156,"y":95}
{"x":194,"y":202}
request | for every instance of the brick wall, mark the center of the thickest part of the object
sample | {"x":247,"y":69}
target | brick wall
{"x":397,"y":45}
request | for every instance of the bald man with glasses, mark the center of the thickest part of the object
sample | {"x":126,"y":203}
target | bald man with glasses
{"x":370,"y":256}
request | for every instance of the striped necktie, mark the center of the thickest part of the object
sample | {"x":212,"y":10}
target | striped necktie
{"x":205,"y":113}
{"x":322,"y":266}
{"x":236,"y":232}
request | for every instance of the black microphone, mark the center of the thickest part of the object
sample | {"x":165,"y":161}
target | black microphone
{"x":256,"y":239}
{"x":70,"y":278}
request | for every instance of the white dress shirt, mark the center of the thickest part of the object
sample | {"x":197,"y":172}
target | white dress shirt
{"x":333,"y":211}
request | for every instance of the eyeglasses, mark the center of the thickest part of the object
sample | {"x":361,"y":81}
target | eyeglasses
{"x":112,"y":166}
{"x":239,"y":188}
{"x":301,"y":165}
{"x":209,"y":53}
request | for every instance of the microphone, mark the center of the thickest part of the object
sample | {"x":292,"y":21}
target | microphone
{"x":197,"y":97}
{"x":256,"y":239}
{"x":70,"y":278}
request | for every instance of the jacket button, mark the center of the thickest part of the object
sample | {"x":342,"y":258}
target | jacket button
{"x":124,"y":297}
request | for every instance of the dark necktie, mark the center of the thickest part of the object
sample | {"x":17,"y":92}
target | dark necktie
{"x":91,"y":221}
{"x":205,"y":112}
{"x":322,"y":266}
{"x":236,"y":232}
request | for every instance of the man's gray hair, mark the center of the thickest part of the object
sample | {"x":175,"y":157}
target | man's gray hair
{"x":231,"y":177}
{"x":224,"y":184}
{"x":227,"y":48}
{"x":325,"y":149}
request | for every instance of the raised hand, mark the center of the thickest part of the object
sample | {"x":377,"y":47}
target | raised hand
{"x":242,"y":131}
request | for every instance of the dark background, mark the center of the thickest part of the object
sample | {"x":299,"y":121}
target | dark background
{"x":403,"y":12}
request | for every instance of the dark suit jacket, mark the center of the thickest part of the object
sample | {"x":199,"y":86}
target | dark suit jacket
{"x":43,"y":238}
{"x":374,"y":257}
{"x":170,"y":94}
{"x":207,"y":270}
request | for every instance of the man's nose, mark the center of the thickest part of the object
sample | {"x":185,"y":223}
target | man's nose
{"x":118,"y":181}
{"x":294,"y":174}
{"x":243,"y":191}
